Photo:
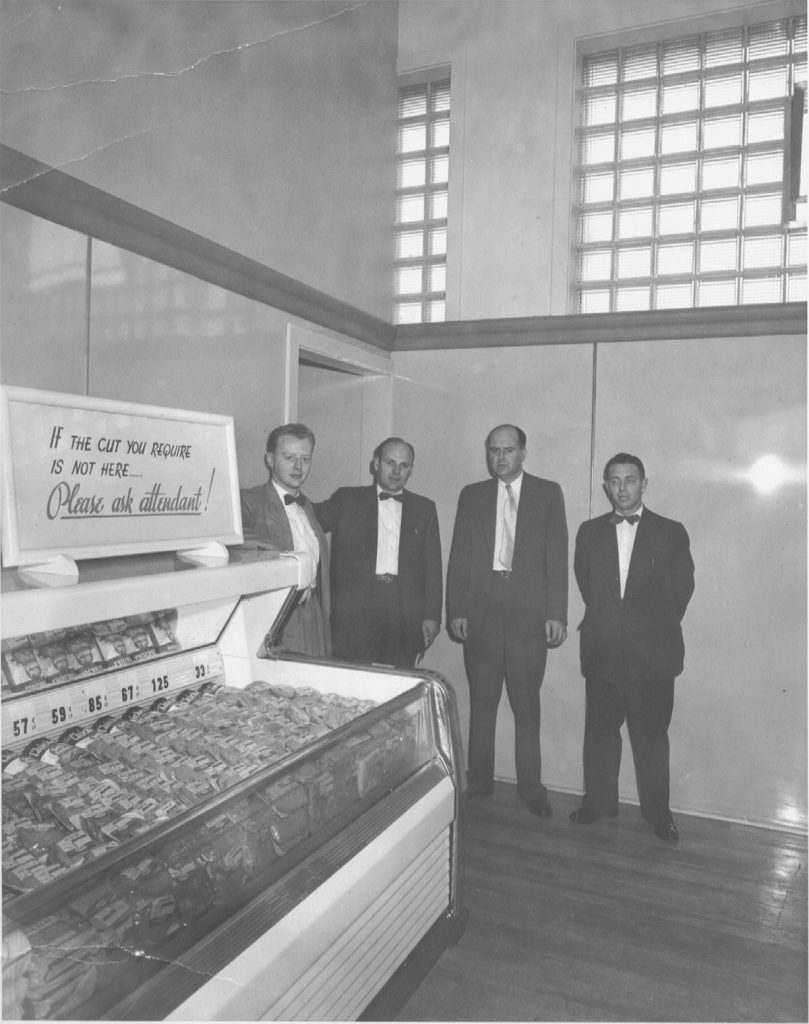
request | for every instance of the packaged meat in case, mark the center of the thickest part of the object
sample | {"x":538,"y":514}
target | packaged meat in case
{"x":190,"y":829}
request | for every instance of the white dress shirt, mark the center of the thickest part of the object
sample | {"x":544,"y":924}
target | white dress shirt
{"x":388,"y":529}
{"x":304,"y":537}
{"x":625,"y":533}
{"x":502,"y":498}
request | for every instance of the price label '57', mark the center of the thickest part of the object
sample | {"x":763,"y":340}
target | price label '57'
{"x":23,"y":721}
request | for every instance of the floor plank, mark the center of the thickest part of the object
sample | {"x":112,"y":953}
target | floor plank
{"x":606,"y":922}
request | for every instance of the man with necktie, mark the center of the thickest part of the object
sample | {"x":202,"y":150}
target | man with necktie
{"x":507,"y":603}
{"x":280,"y":515}
{"x":636,"y":575}
{"x":387,"y":581}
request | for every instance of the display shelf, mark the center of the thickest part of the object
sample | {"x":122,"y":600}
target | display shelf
{"x":28,"y":716}
{"x":203,"y":870}
{"x":95,"y":599}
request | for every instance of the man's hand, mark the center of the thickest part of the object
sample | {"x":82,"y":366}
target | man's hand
{"x":458,"y":627}
{"x":430,"y":630}
{"x":555,"y":633}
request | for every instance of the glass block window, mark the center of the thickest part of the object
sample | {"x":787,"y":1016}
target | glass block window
{"x":687,"y":168}
{"x":422,"y":182}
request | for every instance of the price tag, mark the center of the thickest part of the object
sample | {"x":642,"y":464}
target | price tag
{"x":203,"y":669}
{"x":23,"y":720}
{"x":94,"y":699}
{"x":61,"y":709}
{"x":129,"y":692}
{"x":159,"y":683}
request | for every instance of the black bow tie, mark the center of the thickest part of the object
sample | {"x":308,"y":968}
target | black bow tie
{"x":615,"y":518}
{"x":294,"y":499}
{"x":384,"y":496}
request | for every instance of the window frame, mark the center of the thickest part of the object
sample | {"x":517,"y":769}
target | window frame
{"x":651,"y":281}
{"x":427,"y":297}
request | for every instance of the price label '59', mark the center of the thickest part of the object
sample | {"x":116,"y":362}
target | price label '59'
{"x":61,"y":709}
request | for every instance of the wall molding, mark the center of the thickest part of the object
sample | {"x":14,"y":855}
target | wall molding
{"x":56,"y":196}
{"x":49,"y":193}
{"x":589,"y":328}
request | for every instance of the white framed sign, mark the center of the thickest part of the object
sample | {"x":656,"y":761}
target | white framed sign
{"x":91,"y":478}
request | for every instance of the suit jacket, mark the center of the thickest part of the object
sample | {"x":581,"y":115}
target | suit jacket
{"x":539,"y":565}
{"x":264,"y":518}
{"x":351,"y":516}
{"x":642,"y":632}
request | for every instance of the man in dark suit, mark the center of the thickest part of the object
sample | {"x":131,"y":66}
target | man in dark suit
{"x":387,"y":583}
{"x":507,"y":603}
{"x":636,"y":575}
{"x":278,"y":514}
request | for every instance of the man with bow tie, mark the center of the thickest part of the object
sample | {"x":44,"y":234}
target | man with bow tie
{"x":280,"y":515}
{"x":636,"y":575}
{"x":387,"y":582}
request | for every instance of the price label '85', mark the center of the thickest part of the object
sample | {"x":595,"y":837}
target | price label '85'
{"x":95,"y":699}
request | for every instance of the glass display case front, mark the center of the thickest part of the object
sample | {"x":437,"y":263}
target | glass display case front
{"x":149,"y":803}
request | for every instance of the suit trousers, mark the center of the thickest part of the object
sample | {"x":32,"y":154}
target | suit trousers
{"x":381,"y":641}
{"x":646,"y":706}
{"x":494,"y":653}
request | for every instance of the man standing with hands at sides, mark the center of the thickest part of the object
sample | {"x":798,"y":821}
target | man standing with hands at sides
{"x":636,"y":575}
{"x":277,"y":513}
{"x":507,"y":603}
{"x":387,"y":582}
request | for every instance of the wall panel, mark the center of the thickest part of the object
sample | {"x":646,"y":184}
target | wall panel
{"x":445,"y":403}
{"x":701,"y":415}
{"x":165,"y":338}
{"x":42,"y":303}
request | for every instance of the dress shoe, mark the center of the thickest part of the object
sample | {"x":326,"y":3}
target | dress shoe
{"x":541,"y":808}
{"x":667,"y":831}
{"x":583,"y":816}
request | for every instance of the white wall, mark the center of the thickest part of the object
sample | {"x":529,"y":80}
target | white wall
{"x":513,"y":66}
{"x":263,"y":126}
{"x":700,"y":414}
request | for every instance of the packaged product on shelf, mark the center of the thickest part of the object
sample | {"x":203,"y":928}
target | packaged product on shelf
{"x":111,"y":642}
{"x":138,"y":638}
{"x":16,"y":960}
{"x":55,"y":661}
{"x":62,"y":972}
{"x":161,"y":627}
{"x":83,"y":650}
{"x":22,"y":668}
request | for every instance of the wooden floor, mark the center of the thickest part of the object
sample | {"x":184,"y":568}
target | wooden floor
{"x":606,"y":922}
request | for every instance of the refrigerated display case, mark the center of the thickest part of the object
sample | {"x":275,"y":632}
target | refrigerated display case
{"x":199,"y":825}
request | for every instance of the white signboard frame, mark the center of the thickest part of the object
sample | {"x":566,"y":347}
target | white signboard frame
{"x":94,"y":478}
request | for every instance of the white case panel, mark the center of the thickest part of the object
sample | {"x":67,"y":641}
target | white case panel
{"x":329,"y":956}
